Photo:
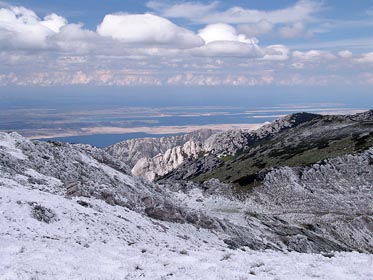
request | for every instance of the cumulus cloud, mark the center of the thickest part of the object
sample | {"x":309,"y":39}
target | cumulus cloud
{"x":54,"y":22}
{"x":147,"y":29}
{"x":222,"y":32}
{"x":140,"y":35}
{"x":21,"y":28}
{"x":224,"y":40}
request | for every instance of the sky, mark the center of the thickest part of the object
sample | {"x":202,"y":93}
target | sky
{"x":130,"y":43}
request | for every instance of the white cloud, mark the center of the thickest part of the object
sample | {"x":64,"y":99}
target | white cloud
{"x":345,"y":54}
{"x":147,"y":29}
{"x":228,"y":49}
{"x":21,"y":28}
{"x":292,"y":31}
{"x":224,"y":40}
{"x":365,"y":58}
{"x":223,"y":32}
{"x":131,"y":36}
{"x":72,"y":38}
{"x":54,"y":22}
{"x":312,"y":55}
{"x":276,"y":53}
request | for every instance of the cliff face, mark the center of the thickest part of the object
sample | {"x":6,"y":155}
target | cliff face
{"x":163,"y":163}
{"x":132,"y":150}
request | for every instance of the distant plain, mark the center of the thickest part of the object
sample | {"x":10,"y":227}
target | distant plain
{"x":85,"y":117}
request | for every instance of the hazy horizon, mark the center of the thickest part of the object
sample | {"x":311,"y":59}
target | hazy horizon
{"x":102,"y":116}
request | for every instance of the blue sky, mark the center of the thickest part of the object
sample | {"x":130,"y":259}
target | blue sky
{"x":180,"y":43}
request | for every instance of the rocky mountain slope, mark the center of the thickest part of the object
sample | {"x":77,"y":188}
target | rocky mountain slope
{"x":152,"y":158}
{"x":313,"y":139}
{"x":76,"y":211}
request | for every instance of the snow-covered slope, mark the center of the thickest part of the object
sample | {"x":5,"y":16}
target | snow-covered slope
{"x":76,"y":212}
{"x":94,"y":240}
{"x":82,"y":170}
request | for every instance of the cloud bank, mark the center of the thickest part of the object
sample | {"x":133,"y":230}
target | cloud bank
{"x":222,"y":49}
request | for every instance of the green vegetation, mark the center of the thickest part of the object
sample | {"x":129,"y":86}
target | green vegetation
{"x":298,"y":147}
{"x":227,"y":158}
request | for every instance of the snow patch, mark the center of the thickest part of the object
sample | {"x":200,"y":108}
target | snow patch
{"x":8,"y":143}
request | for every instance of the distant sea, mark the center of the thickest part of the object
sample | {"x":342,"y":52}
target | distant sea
{"x":230,"y":117}
{"x":34,"y":111}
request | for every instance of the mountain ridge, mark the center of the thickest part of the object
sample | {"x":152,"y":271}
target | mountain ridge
{"x":220,"y":144}
{"x":228,"y":142}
